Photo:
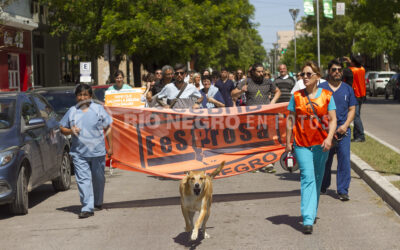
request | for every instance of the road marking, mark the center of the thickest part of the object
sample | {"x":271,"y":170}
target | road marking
{"x":382,"y":142}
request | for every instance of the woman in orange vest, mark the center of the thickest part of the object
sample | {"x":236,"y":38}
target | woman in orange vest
{"x":311,"y":140}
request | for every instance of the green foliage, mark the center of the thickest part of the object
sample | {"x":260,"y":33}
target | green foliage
{"x":369,"y":27}
{"x":157,"y":32}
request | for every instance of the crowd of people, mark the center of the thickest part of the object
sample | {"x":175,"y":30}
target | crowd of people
{"x":318,"y":124}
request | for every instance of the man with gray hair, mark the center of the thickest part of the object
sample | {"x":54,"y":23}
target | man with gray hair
{"x":167,"y":74}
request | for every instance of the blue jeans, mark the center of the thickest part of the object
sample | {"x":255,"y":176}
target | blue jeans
{"x":312,"y":166}
{"x":358,"y":131}
{"x":89,"y":174}
{"x":343,"y":177}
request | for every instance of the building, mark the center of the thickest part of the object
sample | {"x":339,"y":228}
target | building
{"x":16,"y":46}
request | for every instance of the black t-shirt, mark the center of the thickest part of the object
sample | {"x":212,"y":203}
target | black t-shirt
{"x":157,"y":87}
{"x":347,"y":76}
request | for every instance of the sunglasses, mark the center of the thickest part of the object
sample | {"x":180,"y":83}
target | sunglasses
{"x":308,"y":74}
{"x":179,"y":73}
{"x":336,"y":69}
{"x":158,"y":73}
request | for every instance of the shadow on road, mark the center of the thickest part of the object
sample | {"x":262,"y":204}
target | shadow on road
{"x":175,"y":201}
{"x":184,"y":240}
{"x":293,"y":221}
{"x":380,"y":100}
{"x":35,"y":197}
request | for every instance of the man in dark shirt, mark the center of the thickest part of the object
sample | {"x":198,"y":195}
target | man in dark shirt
{"x":225,"y":87}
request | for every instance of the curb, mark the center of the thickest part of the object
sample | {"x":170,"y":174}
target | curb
{"x":386,"y":190}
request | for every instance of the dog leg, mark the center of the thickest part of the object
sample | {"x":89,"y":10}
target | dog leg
{"x":205,"y":234}
{"x":188,"y":222}
{"x":199,"y":222}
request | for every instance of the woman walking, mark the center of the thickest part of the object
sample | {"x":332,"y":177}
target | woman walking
{"x":312,"y":111}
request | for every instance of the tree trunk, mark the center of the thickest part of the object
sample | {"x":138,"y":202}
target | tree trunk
{"x":137,"y":79}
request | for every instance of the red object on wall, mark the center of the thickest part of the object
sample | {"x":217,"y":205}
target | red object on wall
{"x":23,"y":72}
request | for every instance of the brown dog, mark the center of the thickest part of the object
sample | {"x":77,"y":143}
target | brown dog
{"x":196,"y":195}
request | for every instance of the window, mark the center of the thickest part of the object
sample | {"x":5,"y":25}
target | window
{"x":29,"y":111}
{"x":45,"y":109}
{"x":13,"y":71}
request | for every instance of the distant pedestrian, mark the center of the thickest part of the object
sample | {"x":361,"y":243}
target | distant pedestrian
{"x":87,"y":122}
{"x":360,"y":93}
{"x":311,"y":141}
{"x":285,"y":83}
{"x":225,"y":87}
{"x":119,"y":82}
{"x":345,"y":110}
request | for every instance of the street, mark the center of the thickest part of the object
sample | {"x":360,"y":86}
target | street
{"x":382,"y":118}
{"x":250,"y":211}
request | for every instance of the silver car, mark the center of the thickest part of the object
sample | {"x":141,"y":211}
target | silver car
{"x":378,"y":81}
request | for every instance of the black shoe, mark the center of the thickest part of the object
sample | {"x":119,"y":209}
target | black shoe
{"x":344,"y":197}
{"x":83,"y":215}
{"x":98,"y":207}
{"x":315,"y":221}
{"x":358,"y":140}
{"x":323,"y":190}
{"x":307,"y":229}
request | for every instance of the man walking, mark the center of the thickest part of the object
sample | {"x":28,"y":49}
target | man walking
{"x":360,"y":93}
{"x":257,"y":90}
{"x":167,"y":74}
{"x":346,"y":104}
{"x":285,"y":83}
{"x":225,"y":87}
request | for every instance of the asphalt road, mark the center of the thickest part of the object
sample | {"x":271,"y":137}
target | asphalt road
{"x":382,"y":118}
{"x":250,"y":211}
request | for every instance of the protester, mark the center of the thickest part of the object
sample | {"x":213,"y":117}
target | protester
{"x":239,"y":76}
{"x":158,"y":74}
{"x":178,"y":93}
{"x":267,"y":75}
{"x":258,"y":91}
{"x":311,"y":141}
{"x":119,"y":82}
{"x":345,"y":110}
{"x":214,"y":77}
{"x":197,"y":81}
{"x":86,"y":122}
{"x":206,"y":72}
{"x":225,"y":87}
{"x":211,"y":96}
{"x":167,"y":74}
{"x":300,"y":83}
{"x":360,"y":93}
{"x":285,"y":83}
{"x":231,"y":76}
{"x":148,"y":81}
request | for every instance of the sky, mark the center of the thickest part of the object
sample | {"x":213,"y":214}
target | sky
{"x":272,"y":16}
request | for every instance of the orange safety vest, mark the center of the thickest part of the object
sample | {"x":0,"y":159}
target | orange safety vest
{"x":307,"y":130}
{"x":359,"y":81}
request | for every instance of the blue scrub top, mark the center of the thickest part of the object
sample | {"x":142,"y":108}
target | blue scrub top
{"x":90,"y":141}
{"x":331,"y":105}
{"x":344,"y":98}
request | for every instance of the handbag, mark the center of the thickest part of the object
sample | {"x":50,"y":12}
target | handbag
{"x":182,"y":103}
{"x":334,"y":140}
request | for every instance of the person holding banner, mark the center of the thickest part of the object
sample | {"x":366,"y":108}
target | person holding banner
{"x":212,"y":98}
{"x":119,"y":82}
{"x":86,"y":122}
{"x":312,"y":110}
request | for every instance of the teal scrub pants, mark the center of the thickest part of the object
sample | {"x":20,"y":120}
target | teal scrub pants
{"x":311,"y":162}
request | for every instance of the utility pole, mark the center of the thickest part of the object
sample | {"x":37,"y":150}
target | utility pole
{"x":275,"y":48}
{"x":294,"y":13}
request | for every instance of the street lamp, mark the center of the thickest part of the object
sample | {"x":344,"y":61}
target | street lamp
{"x":275,"y":48}
{"x":294,"y":13}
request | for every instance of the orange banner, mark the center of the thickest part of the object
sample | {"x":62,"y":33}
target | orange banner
{"x":124,"y":98}
{"x":165,"y":142}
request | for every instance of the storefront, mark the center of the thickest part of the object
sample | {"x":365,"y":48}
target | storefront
{"x":15,"y":58}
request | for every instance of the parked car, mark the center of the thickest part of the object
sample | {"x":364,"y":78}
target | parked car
{"x":378,"y":82}
{"x":32,"y":149}
{"x":368,"y":77}
{"x":100,"y":91}
{"x":61,"y":98}
{"x":393,"y":87}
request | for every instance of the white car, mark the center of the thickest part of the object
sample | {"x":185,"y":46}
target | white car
{"x":378,"y":81}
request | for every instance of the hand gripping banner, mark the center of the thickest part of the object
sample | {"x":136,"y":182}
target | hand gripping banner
{"x":169,"y":142}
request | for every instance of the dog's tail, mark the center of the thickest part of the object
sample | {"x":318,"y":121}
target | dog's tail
{"x":218,"y":170}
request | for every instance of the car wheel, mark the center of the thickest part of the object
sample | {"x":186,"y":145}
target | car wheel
{"x":63,"y":181}
{"x":20,"y":203}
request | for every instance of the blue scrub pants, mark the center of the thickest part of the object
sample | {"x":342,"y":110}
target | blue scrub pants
{"x":343,"y":177}
{"x":312,"y":166}
{"x":89,"y":174}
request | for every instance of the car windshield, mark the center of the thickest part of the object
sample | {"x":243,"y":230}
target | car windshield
{"x":61,"y":101}
{"x":100,"y":93}
{"x":7,"y":113}
{"x":385,"y":75}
